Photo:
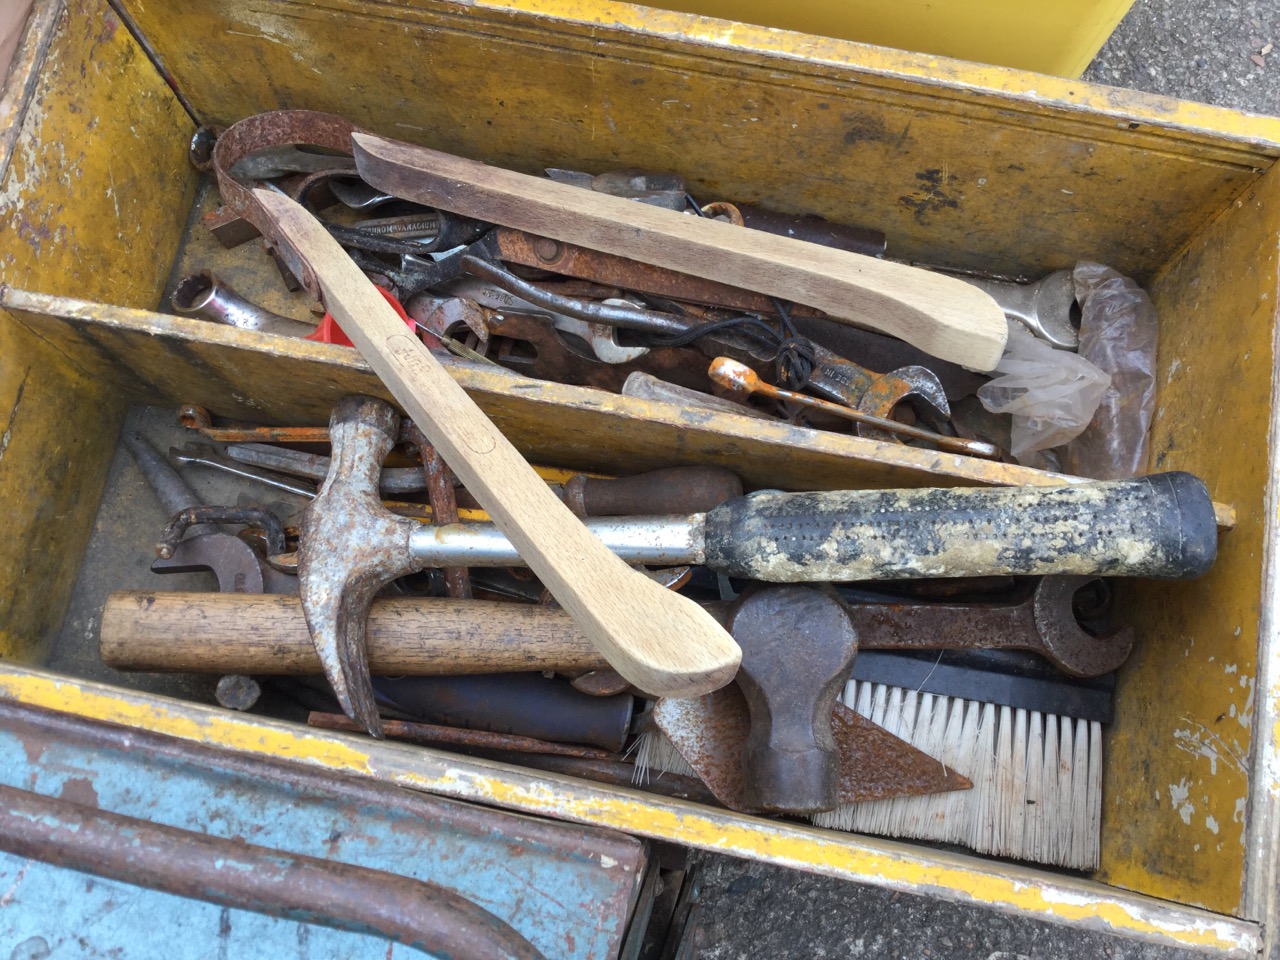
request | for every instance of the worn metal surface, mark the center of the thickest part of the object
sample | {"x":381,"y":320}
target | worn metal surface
{"x":237,"y":692}
{"x":790,"y":760}
{"x":205,"y":295}
{"x":674,"y":490}
{"x":315,"y":466}
{"x":207,"y":455}
{"x":247,"y":137}
{"x":570,"y":894}
{"x":439,"y":482}
{"x":232,"y":560}
{"x":710,"y":733}
{"x":532,"y":348}
{"x":257,"y":517}
{"x":196,"y":417}
{"x":742,"y":380}
{"x":351,"y":547}
{"x":762,"y":344}
{"x":1044,"y":622}
{"x":252,"y":877}
{"x":173,"y":492}
{"x":517,"y":246}
{"x":1046,"y":307}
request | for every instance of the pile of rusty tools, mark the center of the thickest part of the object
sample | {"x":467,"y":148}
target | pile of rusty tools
{"x":671,"y":622}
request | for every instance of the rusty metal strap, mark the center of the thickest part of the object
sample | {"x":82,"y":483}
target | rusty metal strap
{"x":263,"y":131}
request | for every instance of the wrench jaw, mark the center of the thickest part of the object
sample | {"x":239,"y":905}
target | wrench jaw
{"x":887,"y":390}
{"x":1064,"y":642}
{"x":351,"y":547}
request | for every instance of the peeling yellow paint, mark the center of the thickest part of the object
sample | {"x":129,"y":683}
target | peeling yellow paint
{"x":881,"y":862}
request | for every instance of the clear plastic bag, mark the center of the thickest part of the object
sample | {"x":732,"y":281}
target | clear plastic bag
{"x":1118,"y":333}
{"x":1051,"y":394}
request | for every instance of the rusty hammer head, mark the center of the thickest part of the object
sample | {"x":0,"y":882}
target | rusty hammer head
{"x":351,"y":546}
{"x":798,"y":646}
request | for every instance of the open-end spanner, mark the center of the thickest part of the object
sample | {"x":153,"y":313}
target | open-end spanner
{"x":601,"y":338}
{"x":1044,"y":623}
{"x":1047,"y":307}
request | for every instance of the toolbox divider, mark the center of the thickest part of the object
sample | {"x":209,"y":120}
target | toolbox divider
{"x":892,"y":865}
{"x":241,"y":373}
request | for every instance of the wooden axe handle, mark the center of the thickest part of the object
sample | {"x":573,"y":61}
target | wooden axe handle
{"x":656,"y":639}
{"x":941,"y":315}
{"x":267,"y":634}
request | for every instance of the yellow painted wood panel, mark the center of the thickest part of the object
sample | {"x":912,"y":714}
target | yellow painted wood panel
{"x":1179,"y":752}
{"x":739,"y":113}
{"x":246,"y":375}
{"x":93,"y":202}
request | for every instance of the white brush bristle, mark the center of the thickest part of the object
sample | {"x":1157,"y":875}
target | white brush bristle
{"x":655,"y":752}
{"x":1037,"y":779}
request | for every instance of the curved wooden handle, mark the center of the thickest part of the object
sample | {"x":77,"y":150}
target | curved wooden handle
{"x":941,"y":315}
{"x":658,"y":640}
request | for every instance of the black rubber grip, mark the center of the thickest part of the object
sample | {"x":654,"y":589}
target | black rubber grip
{"x":1161,"y":526}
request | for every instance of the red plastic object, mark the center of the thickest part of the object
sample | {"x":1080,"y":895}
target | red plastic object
{"x":328,"y":330}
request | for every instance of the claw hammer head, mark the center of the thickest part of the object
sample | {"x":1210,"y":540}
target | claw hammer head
{"x":351,"y":546}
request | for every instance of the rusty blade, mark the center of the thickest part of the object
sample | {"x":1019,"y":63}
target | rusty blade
{"x":516,"y":246}
{"x":710,"y":731}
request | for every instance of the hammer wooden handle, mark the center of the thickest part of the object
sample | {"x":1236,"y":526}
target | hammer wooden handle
{"x":266,"y":634}
{"x":658,"y":640}
{"x":941,"y":315}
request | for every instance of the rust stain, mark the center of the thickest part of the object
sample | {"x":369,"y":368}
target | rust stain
{"x":80,"y":790}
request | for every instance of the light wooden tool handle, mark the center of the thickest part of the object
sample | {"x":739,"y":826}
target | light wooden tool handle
{"x":941,"y":315}
{"x":658,"y":640}
{"x":267,"y":634}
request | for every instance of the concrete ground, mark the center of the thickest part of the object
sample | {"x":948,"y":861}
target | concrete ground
{"x":1224,"y":52}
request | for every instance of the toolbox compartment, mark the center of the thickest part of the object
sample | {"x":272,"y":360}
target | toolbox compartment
{"x":964,"y":166}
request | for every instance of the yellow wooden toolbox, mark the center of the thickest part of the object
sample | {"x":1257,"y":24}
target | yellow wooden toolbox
{"x":959,"y":164}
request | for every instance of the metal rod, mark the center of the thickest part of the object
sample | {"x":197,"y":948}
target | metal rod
{"x":741,"y":379}
{"x":656,"y":540}
{"x":246,"y":876}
